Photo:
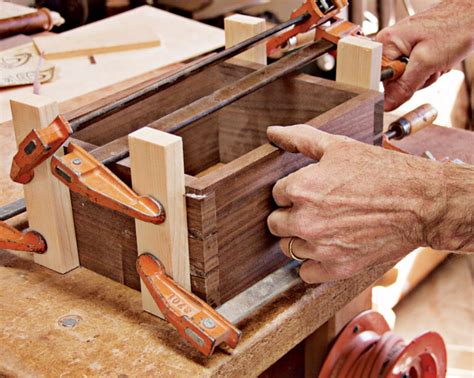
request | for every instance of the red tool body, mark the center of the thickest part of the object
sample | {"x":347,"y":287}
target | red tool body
{"x":366,"y":348}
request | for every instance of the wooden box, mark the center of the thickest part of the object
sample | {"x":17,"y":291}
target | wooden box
{"x":230,"y":170}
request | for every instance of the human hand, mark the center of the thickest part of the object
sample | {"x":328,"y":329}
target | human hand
{"x":360,"y":205}
{"x":435,"y":41}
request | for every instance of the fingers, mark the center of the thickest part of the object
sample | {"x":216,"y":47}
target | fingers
{"x":432,"y":79}
{"x":418,"y":73}
{"x":281,"y":223}
{"x":301,"y":138}
{"x":280,"y":193}
{"x":305,"y":250}
{"x":313,"y":272}
{"x":300,"y":248}
{"x":394,"y":44}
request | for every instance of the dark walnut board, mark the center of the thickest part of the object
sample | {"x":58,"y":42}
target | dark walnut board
{"x":229,"y":244}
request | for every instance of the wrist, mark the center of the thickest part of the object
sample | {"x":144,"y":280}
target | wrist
{"x":421,"y":191}
{"x":449,"y":220}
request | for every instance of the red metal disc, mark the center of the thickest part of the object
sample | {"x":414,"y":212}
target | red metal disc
{"x":355,"y":349}
{"x":426,"y":355}
{"x":386,"y":351}
{"x":367,"y":349}
{"x":366,"y":321}
{"x":361,"y":365}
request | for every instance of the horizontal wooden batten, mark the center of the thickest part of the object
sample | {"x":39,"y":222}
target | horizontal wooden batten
{"x":229,"y":244}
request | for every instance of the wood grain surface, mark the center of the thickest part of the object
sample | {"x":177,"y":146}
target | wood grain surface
{"x":157,"y":170}
{"x":48,"y":201}
{"x":122,"y":32}
{"x":181,"y":39}
{"x":112,"y":336}
{"x":238,"y":28}
{"x":441,"y":142}
{"x":230,"y":246}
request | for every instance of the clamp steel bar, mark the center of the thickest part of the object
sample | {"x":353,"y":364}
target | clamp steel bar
{"x":84,"y":120}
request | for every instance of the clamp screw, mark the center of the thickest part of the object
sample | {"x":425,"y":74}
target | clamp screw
{"x":208,"y":323}
{"x":77,"y":162}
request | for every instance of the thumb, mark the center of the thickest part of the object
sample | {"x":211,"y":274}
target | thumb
{"x":305,"y":139}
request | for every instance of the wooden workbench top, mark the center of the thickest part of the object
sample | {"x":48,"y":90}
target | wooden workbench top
{"x":113,"y":337}
{"x":181,"y":39}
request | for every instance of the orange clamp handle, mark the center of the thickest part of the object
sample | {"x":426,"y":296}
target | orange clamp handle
{"x":85,"y":175}
{"x":195,"y":320}
{"x":393,"y":69}
{"x":319,"y":14}
{"x":28,"y":241}
{"x":38,"y":145}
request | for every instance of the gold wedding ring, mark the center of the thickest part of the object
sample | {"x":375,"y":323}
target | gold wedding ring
{"x":290,"y":250}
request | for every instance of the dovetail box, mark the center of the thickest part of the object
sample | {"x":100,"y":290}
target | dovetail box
{"x":230,"y":170}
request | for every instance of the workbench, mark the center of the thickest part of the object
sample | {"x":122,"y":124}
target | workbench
{"x":85,"y":323}
{"x":62,"y":316}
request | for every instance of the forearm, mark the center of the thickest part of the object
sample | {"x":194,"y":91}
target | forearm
{"x":453,"y":228}
{"x":462,"y":23}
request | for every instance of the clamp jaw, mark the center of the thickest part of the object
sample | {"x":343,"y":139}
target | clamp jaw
{"x":85,"y":175}
{"x":319,"y":12}
{"x":38,"y":145}
{"x":323,"y":18}
{"x":197,"y":322}
{"x":28,"y":241}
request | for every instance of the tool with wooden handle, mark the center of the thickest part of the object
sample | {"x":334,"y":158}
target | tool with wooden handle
{"x":41,"y":20}
{"x":410,"y":123}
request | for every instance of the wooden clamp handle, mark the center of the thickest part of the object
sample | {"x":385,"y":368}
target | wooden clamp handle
{"x":38,"y":145}
{"x":195,"y":320}
{"x":30,"y":23}
{"x":84,"y":175}
{"x":28,"y":241}
{"x":413,"y":121}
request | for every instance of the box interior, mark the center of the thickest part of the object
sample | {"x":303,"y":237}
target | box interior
{"x":233,"y":131}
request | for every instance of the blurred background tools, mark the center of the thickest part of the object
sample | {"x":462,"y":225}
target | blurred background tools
{"x":15,"y":19}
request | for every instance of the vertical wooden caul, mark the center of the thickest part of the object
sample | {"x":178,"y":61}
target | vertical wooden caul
{"x":157,"y":169}
{"x":359,"y":62}
{"x":239,"y":28}
{"x":48,"y":201}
